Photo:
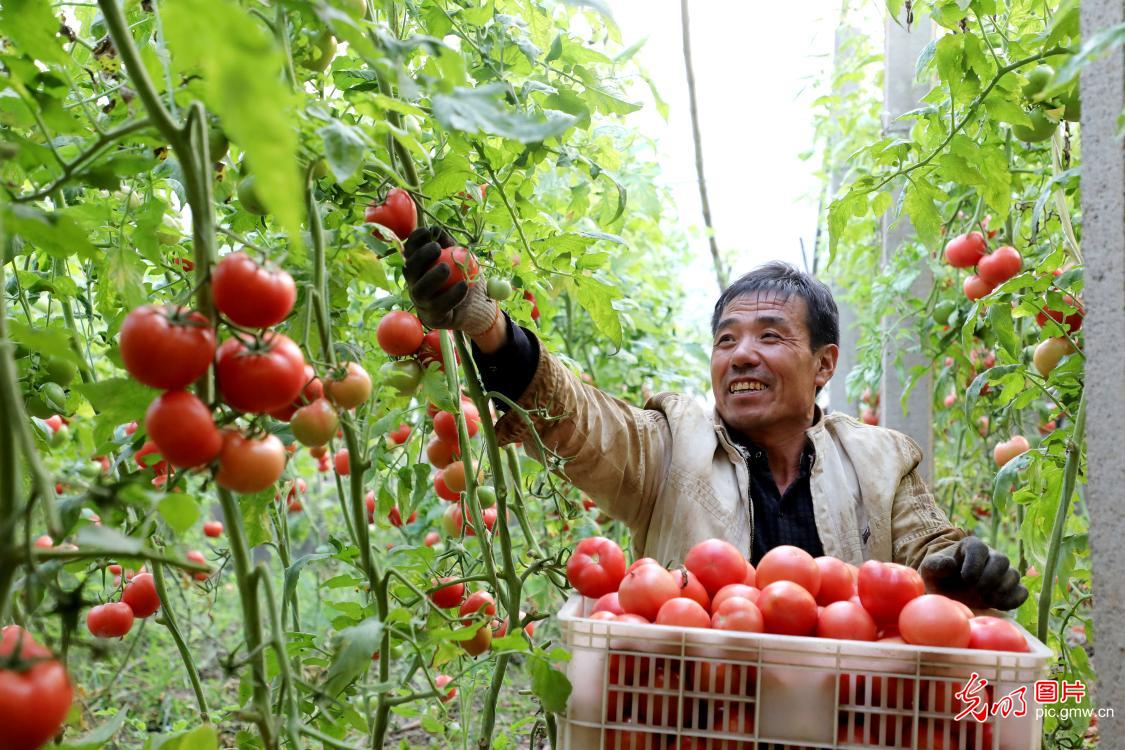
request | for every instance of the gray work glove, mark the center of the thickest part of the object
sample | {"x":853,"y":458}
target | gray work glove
{"x":463,"y":307}
{"x":971,"y":572}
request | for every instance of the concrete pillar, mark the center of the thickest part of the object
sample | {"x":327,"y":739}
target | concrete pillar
{"x":1103,"y":243}
{"x":901,"y":94}
{"x":849,"y":328}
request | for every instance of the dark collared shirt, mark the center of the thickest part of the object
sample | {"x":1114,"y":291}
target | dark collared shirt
{"x":778,"y":519}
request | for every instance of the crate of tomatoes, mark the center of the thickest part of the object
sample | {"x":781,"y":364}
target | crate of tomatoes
{"x":798,"y":653}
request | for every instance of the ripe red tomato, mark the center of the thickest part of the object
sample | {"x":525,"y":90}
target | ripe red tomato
{"x":453,"y":476}
{"x":975,"y":287}
{"x":400,"y":434}
{"x":691,"y":587}
{"x":488,"y":515}
{"x":394,"y":515}
{"x":111,"y":620}
{"x":734,"y":589}
{"x":683,"y":612}
{"x":885,"y":588}
{"x":451,"y":595}
{"x":442,"y":489}
{"x":313,"y":390}
{"x":478,"y":601}
{"x":995,"y":634}
{"x":213,"y":529}
{"x":441,"y":681}
{"x":196,"y":556}
{"x":262,"y":377}
{"x":342,"y":462}
{"x":787,"y":608}
{"x":315,"y":424}
{"x":251,"y":295}
{"x":738,"y":613}
{"x":645,"y":589}
{"x":608,"y":603}
{"x":639,"y":562}
{"x":836,"y":581}
{"x":480,"y":641}
{"x":1000,"y":265}
{"x":249,"y":465}
{"x":348,"y":389}
{"x":399,"y":333}
{"x":166,"y":348}
{"x":934,"y":620}
{"x":596,"y":567}
{"x":847,"y":621}
{"x":965,"y":250}
{"x":716,"y":563}
{"x":439,"y":453}
{"x":34,"y":701}
{"x":461,"y":263}
{"x":183,"y":429}
{"x":140,"y":594}
{"x":397,"y":213}
{"x":789,"y":563}
{"x":432,"y":538}
{"x":534,"y":305}
{"x":1073,"y":320}
{"x":445,"y":423}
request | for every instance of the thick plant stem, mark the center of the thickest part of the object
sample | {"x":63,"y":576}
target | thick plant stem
{"x":1070,"y":475}
{"x":252,"y":621}
{"x":169,"y":622}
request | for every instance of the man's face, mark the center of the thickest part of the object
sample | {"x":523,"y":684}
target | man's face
{"x":763,"y":371}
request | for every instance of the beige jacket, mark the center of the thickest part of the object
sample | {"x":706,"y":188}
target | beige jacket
{"x":673,"y":475}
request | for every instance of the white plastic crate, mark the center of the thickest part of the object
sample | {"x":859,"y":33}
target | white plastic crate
{"x":654,"y":687}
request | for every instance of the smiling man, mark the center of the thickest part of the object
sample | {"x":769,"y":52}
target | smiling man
{"x":766,"y":468}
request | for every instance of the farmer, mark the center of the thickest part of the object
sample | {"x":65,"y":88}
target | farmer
{"x":766,"y":468}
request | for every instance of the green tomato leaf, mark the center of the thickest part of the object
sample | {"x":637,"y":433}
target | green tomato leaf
{"x":550,"y":685}
{"x":98,"y":736}
{"x":32,"y":27}
{"x":180,"y":511}
{"x":354,"y":647}
{"x":597,"y":299}
{"x":344,"y":148}
{"x":481,"y":110}
{"x":200,"y":738}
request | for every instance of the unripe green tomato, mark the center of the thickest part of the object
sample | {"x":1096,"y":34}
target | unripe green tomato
{"x":54,"y":395}
{"x":1037,"y":80}
{"x":60,"y":371}
{"x":248,"y":197}
{"x":167,"y":234}
{"x":403,"y":375}
{"x":486,"y":495}
{"x":943,"y":311}
{"x":319,"y":169}
{"x":499,"y":289}
{"x":357,"y":9}
{"x":1041,"y":129}
{"x":217,"y":142}
{"x":320,"y":54}
{"x":60,"y":436}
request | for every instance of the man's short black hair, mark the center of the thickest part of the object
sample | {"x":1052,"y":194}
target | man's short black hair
{"x":822,"y":318}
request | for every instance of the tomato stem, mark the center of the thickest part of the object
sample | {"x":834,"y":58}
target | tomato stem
{"x":169,"y":622}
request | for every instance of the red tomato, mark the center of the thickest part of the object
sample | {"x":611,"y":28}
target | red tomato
{"x":626,"y":739}
{"x":249,"y":465}
{"x":450,"y":595}
{"x":788,"y":563}
{"x":596,"y":567}
{"x":1073,"y":320}
{"x":397,"y":213}
{"x":54,"y":422}
{"x":683,"y":612}
{"x":400,"y":434}
{"x":432,"y":538}
{"x":348,"y":389}
{"x":315,"y":424}
{"x":251,"y":295}
{"x":716,"y":563}
{"x":263,"y":377}
{"x":644,"y":591}
{"x":604,"y":614}
{"x":445,"y":423}
{"x":430,"y":351}
{"x":885,"y":588}
{"x":480,"y":641}
{"x":461,"y":263}
{"x":965,"y":250}
{"x":608,"y":603}
{"x":734,"y":589}
{"x":836,"y":581}
{"x":183,"y":429}
{"x":661,"y":707}
{"x":751,"y":578}
{"x":399,"y":333}
{"x":140,"y":594}
{"x":441,"y":681}
{"x":394,"y":515}
{"x":112,"y":620}
{"x":454,"y":476}
{"x":478,"y":601}
{"x":213,"y":529}
{"x":787,"y":608}
{"x":995,"y":634}
{"x":34,"y":701}
{"x":934,"y":620}
{"x":453,"y":520}
{"x":1000,"y":265}
{"x":639,"y":562}
{"x":691,"y":587}
{"x":313,"y":390}
{"x":439,"y":453}
{"x":846,"y":621}
{"x":527,"y":295}
{"x":342,"y":462}
{"x":975,"y":287}
{"x":442,"y":489}
{"x":738,"y":613}
{"x":166,"y":348}
{"x":196,"y":556}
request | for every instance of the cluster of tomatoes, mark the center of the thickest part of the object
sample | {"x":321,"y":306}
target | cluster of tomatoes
{"x":993,"y":268}
{"x":477,"y":607}
{"x":790,"y":593}
{"x":138,"y":599}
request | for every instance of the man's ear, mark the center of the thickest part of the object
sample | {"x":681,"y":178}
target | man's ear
{"x":826,"y":358}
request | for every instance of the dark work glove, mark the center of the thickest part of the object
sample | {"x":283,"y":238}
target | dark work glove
{"x":462,"y":307}
{"x":971,"y":572}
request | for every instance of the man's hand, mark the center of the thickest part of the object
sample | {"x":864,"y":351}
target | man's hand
{"x":462,"y":307}
{"x":972,"y":573}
